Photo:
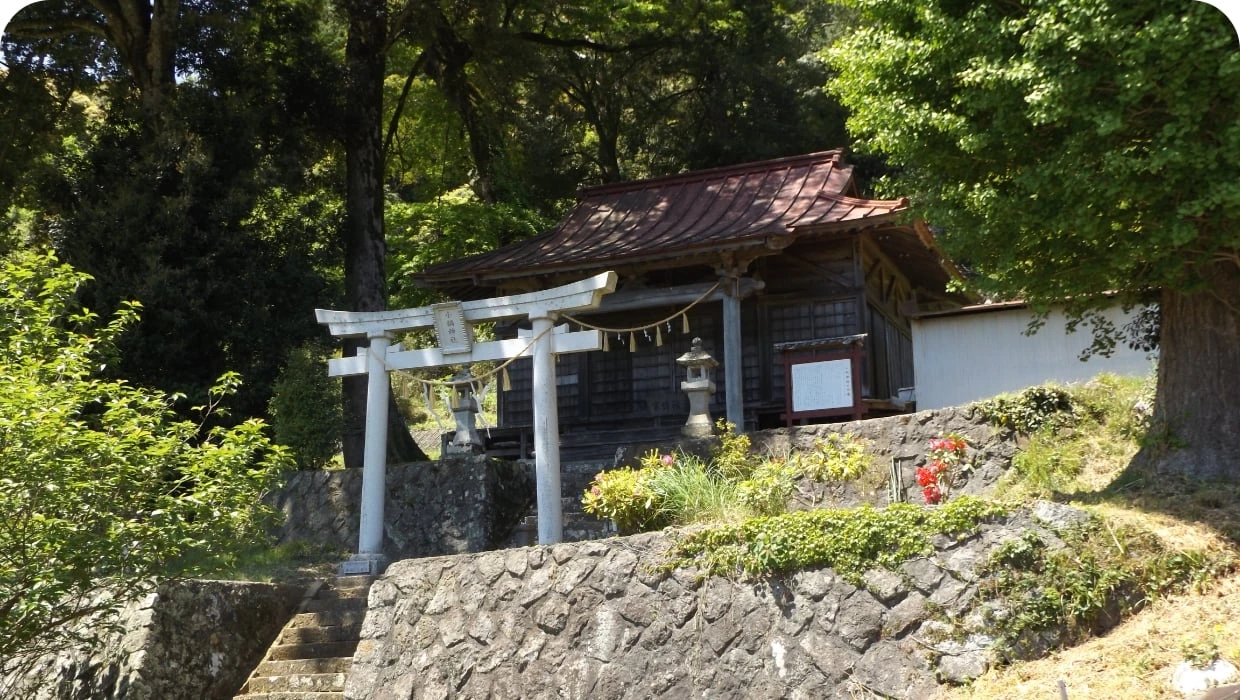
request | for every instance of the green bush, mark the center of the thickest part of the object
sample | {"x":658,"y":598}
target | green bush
{"x":851,"y":541}
{"x":625,"y":496}
{"x":306,"y":407}
{"x":1030,"y":409}
{"x":687,"y":491}
{"x":770,"y":486}
{"x":101,"y":484}
{"x":1068,"y":452}
{"x":837,"y":457}
{"x":1049,"y":463}
{"x":731,"y":459}
{"x":679,"y":489}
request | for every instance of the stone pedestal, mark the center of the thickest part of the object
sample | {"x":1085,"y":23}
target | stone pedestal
{"x":699,"y":423}
{"x":363,"y":565}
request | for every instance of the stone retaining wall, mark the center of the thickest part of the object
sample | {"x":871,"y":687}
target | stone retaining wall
{"x":196,"y":639}
{"x":471,"y":504}
{"x":590,"y":620}
{"x":462,"y":504}
{"x":905,"y":438}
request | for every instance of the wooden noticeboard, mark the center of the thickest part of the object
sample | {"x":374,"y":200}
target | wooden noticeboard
{"x":822,"y":378}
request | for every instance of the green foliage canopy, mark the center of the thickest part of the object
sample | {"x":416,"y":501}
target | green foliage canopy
{"x":305,"y":408}
{"x":101,"y":486}
{"x":1067,"y":147}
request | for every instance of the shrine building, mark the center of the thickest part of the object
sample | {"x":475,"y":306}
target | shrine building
{"x":798,"y":287}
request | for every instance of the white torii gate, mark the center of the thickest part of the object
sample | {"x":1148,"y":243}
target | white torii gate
{"x":452,"y":322}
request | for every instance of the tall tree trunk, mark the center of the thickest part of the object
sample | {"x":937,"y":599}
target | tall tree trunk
{"x":1198,"y":399}
{"x":364,"y":274}
{"x":144,"y":34}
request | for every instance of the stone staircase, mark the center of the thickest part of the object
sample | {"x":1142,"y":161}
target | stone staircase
{"x":312,"y":656}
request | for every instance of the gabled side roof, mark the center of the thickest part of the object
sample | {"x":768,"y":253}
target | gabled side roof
{"x":732,"y":207}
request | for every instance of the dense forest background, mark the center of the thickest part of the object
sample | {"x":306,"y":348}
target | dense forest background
{"x":231,"y":165}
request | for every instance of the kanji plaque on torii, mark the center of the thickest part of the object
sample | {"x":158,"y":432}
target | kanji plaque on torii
{"x":453,"y":325}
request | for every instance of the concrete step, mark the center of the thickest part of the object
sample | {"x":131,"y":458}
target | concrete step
{"x":336,"y":605}
{"x":292,"y":695}
{"x":319,"y":650}
{"x":333,"y":593}
{"x":349,"y":582}
{"x":338,"y":664}
{"x":317,"y":635}
{"x":300,"y":683}
{"x":328,"y":618}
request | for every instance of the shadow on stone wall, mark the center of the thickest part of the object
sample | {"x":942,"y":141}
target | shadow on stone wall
{"x":190,"y":638}
{"x":452,"y":506}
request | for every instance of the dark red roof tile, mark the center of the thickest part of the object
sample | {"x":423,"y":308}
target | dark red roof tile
{"x":670,"y":216}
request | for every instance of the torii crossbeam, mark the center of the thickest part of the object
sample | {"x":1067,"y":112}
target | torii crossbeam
{"x":453,"y":323}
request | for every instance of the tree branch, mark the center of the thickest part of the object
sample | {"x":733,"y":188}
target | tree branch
{"x":400,"y":103}
{"x":540,"y":38}
{"x":55,"y":28}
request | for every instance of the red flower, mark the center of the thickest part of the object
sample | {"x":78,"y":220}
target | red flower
{"x":926,"y":477}
{"x":932,"y":494}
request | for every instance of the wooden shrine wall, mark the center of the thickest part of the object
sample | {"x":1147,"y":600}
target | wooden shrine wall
{"x":889,"y":356}
{"x":812,"y":291}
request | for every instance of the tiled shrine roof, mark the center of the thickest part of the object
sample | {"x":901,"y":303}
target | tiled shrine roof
{"x":767,"y":203}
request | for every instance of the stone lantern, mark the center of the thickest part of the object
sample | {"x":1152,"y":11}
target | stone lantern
{"x":464,"y":409}
{"x":699,"y":387}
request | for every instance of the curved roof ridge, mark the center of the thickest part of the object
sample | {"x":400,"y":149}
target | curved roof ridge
{"x":845,"y":199}
{"x":835,"y":154}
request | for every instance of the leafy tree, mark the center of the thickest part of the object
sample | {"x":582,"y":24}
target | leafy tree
{"x":306,"y":408}
{"x":1071,"y":148}
{"x":424,"y":233}
{"x":141,"y":33}
{"x":101,"y":485}
{"x":219,"y":214}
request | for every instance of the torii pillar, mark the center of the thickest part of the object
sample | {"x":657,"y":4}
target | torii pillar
{"x":453,"y":323}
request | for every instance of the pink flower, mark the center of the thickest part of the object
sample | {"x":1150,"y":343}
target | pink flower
{"x":594,"y":490}
{"x":668,"y":460}
{"x":932,"y":494}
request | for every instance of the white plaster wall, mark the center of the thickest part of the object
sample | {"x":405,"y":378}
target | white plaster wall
{"x":961,"y":358}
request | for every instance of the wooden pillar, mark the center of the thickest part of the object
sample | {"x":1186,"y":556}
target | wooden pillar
{"x":374,"y":464}
{"x":733,"y":362}
{"x":546,"y":432}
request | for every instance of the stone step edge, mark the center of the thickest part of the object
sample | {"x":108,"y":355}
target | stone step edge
{"x":320,"y":633}
{"x":326,"y":618}
{"x":285,"y":683}
{"x":290,"y":695}
{"x":290,"y":667}
{"x":313,"y":650}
